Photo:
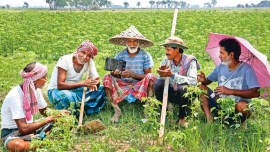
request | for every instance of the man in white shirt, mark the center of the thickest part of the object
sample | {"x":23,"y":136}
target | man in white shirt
{"x":66,"y":84}
{"x":19,"y":106}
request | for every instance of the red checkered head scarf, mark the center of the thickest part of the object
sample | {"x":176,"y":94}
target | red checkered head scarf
{"x":30,"y":102}
{"x":89,"y":47}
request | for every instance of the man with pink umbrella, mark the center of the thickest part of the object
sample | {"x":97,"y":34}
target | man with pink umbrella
{"x":236,"y":79}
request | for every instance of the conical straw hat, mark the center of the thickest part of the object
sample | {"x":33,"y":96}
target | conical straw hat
{"x":133,"y":33}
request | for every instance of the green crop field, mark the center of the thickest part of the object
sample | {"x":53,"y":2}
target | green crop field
{"x":44,"y":36}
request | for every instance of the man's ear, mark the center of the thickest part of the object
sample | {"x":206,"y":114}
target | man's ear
{"x":231,"y":55}
{"x":177,"y":49}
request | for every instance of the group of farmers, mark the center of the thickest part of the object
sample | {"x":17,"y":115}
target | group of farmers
{"x":132,"y":83}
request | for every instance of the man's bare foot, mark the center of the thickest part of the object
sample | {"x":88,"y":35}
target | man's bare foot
{"x":150,"y":92}
{"x":170,"y":106}
{"x":183,"y":123}
{"x":116,"y":116}
{"x":244,"y":125}
{"x":117,"y":112}
{"x":210,"y":119}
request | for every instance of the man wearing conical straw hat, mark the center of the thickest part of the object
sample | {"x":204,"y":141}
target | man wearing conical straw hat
{"x":136,"y":81}
{"x":182,"y":72}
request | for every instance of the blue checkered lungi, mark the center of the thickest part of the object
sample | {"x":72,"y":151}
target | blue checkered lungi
{"x":62,"y":99}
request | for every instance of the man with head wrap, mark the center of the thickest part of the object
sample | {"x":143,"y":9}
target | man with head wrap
{"x":19,"y":106}
{"x":66,"y":86}
{"x":136,"y":81}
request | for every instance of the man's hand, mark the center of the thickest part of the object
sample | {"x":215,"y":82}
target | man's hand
{"x":50,"y":119}
{"x":201,"y":77}
{"x":91,"y":84}
{"x":64,"y":112}
{"x":127,"y":74}
{"x":61,"y":113}
{"x":116,"y":72}
{"x":164,"y":71}
{"x":223,"y":90}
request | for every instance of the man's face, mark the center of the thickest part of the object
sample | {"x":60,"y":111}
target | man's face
{"x":39,"y":83}
{"x":225,"y":58}
{"x":171,"y":53}
{"x":132,"y":45}
{"x":83,"y":56}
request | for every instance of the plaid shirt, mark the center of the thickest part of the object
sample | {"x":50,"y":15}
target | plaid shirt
{"x":185,"y":72}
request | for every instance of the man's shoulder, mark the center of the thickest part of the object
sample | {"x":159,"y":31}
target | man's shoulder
{"x":14,"y":94}
{"x":15,"y":91}
{"x":189,"y":56}
{"x":221,"y":67}
{"x":246,"y":66}
{"x":65,"y":57}
{"x":144,"y":52}
{"x":122,"y":52}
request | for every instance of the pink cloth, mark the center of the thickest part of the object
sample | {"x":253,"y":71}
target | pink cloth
{"x":88,"y":46}
{"x":30,"y":103}
{"x":120,"y":89}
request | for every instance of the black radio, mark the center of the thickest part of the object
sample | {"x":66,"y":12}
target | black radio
{"x":112,"y":64}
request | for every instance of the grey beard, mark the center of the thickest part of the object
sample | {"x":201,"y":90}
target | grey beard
{"x":132,"y":50}
{"x":227,"y":63}
{"x":79,"y":60}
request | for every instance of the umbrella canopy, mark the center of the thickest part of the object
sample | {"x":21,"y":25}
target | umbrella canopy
{"x":248,"y":55}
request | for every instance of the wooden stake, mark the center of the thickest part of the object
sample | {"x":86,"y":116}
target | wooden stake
{"x":166,"y":87}
{"x":83,"y":98}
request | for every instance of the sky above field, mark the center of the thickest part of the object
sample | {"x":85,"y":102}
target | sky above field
{"x":132,"y":3}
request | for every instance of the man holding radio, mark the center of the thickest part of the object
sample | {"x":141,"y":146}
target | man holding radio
{"x":236,"y":80}
{"x":135,"y":80}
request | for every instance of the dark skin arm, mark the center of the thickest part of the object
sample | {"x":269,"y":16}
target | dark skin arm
{"x":26,"y":129}
{"x":130,"y":74}
{"x":116,"y":73}
{"x":43,"y":112}
{"x":164,"y":71}
{"x":249,"y":93}
{"x":201,"y":78}
{"x":62,"y":85}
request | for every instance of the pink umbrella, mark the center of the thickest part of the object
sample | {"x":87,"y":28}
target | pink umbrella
{"x":248,"y":54}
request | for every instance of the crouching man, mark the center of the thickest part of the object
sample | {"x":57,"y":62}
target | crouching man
{"x":19,"y":106}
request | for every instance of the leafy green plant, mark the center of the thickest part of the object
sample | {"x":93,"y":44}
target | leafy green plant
{"x":176,"y":139}
{"x":227,"y":114}
{"x":193,"y":94}
{"x":151,"y":111}
{"x":63,"y":130}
